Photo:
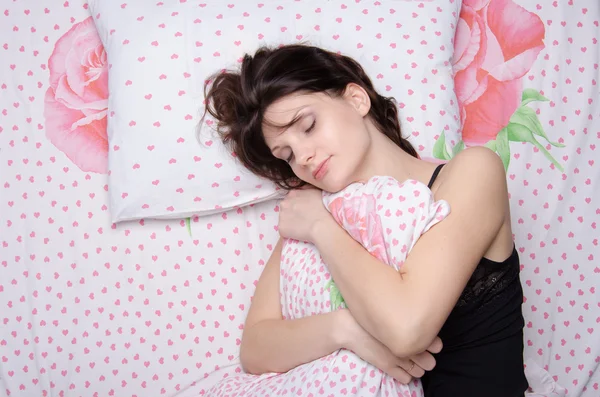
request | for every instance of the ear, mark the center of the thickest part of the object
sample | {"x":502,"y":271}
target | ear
{"x":358,"y":98}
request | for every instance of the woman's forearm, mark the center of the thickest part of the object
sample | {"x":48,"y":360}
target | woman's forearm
{"x":372,"y":290}
{"x":280,"y":345}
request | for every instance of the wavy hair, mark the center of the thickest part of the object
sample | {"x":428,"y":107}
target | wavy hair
{"x":238,"y":100}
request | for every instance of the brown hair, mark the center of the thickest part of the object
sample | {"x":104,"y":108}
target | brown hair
{"x":238,"y":100}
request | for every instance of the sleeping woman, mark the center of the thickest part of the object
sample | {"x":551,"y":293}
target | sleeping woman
{"x":362,"y":283}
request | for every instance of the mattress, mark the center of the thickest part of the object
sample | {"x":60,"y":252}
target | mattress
{"x":156,"y":308}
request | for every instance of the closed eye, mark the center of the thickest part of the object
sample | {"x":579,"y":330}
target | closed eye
{"x":308,"y":130}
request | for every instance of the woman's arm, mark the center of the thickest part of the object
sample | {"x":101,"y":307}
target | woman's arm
{"x":280,"y":345}
{"x":271,"y":344}
{"x":406,"y":313}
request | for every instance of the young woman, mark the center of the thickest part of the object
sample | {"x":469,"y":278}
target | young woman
{"x":305,"y":117}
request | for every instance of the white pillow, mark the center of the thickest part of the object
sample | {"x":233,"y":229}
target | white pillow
{"x":160,"y":55}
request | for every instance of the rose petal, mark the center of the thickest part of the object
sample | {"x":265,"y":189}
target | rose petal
{"x":516,"y":67}
{"x":83,"y":140}
{"x":516,"y":29}
{"x":476,"y":4}
{"x":65,"y":95}
{"x":56,"y":62}
{"x":465,"y":81}
{"x":86,"y":69}
{"x":503,"y":68}
{"x":88,"y":119}
{"x":462,"y":43}
{"x":479,"y":90}
{"x":491,"y":112}
{"x":468,"y":86}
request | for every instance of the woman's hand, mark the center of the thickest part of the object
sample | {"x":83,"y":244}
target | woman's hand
{"x":374,"y":352}
{"x":299,"y":213}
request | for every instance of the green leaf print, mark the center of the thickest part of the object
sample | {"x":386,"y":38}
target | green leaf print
{"x":527,"y":118}
{"x":524,"y":126}
{"x":335,"y":297}
{"x":503,"y":147}
{"x":458,"y":148}
{"x":531,"y":95}
{"x":439,"y":148}
{"x":491,"y":145}
{"x":188,"y":225}
{"x":520,"y":133}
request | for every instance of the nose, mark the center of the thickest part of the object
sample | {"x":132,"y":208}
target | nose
{"x":304,"y":153}
{"x":305,"y":160}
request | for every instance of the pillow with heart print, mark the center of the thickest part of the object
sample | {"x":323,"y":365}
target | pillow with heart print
{"x":160,"y":55}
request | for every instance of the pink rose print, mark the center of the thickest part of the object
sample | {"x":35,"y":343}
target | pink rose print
{"x":76,"y":101}
{"x":496,"y":44}
{"x":359,"y":217}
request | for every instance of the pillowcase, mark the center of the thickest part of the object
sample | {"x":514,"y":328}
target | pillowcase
{"x":160,"y":55}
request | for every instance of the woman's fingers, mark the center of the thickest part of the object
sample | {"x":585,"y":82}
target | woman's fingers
{"x":424,"y":361}
{"x":411,"y":367}
{"x":400,"y":375}
{"x":436,"y":346}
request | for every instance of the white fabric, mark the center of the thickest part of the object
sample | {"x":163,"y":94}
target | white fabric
{"x":58,"y":247}
{"x":387,"y":218}
{"x":541,"y":383}
{"x":162,"y":53}
{"x":556,"y":215}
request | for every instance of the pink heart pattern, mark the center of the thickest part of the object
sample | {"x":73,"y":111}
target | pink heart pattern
{"x":159,"y":64}
{"x":141,"y":308}
{"x":555,"y":218}
{"x":386,"y":217}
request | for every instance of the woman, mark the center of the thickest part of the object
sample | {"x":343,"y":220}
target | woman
{"x":302,"y":116}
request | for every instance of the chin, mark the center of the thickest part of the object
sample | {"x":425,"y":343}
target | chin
{"x":333,"y":186}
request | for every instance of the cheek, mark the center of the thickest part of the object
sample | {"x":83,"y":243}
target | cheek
{"x":340,"y":135}
{"x":354,"y":139}
{"x":302,"y":173}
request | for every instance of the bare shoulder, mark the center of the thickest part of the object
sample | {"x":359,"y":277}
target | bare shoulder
{"x":476,"y":162}
{"x":444,"y":258}
{"x":474,"y":184}
{"x":476,"y":169}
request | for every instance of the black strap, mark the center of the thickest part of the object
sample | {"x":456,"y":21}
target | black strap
{"x":435,"y":174}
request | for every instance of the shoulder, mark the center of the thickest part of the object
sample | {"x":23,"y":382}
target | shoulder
{"x":472,"y":169}
{"x":476,"y":162}
{"x":443,"y":259}
{"x":475,"y":179}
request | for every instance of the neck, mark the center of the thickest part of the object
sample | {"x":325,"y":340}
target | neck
{"x":385,"y":158}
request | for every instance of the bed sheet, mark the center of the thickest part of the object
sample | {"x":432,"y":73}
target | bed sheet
{"x":556,"y":215}
{"x":88,"y":308}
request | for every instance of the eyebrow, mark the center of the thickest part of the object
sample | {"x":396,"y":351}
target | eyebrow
{"x":294,"y":120}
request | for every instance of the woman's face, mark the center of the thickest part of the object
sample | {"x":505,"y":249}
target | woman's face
{"x":328,"y":143}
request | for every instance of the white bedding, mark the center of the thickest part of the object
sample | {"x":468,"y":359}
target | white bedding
{"x":88,"y":308}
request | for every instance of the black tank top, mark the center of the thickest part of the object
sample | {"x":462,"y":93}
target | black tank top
{"x":483,"y":336}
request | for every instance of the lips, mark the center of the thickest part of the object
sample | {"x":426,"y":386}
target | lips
{"x":321,"y":169}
